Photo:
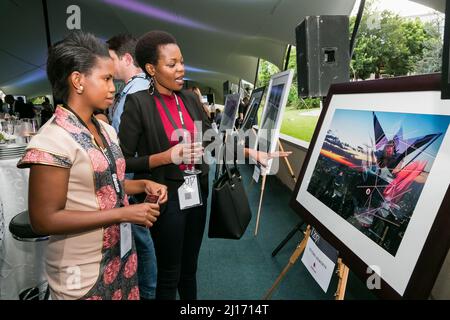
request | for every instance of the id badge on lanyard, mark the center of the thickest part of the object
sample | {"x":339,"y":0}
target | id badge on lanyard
{"x":189,"y":195}
{"x":125,"y":228}
{"x":126,"y":241}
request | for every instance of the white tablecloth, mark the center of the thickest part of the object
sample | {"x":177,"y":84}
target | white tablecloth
{"x":21,"y":263}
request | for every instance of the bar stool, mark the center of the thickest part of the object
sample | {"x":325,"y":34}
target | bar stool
{"x":20,"y":228}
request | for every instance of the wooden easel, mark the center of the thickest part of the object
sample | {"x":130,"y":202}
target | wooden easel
{"x":342,"y":270}
{"x":263,"y":185}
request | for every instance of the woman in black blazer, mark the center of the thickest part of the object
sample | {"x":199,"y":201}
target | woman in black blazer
{"x":144,"y":137}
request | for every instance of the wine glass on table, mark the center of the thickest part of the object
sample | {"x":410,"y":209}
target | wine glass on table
{"x":34,"y":126}
{"x":28,"y":129}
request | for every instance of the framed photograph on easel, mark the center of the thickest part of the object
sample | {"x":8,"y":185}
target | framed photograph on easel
{"x":229,"y":112}
{"x":272,"y":116}
{"x":375,"y":181}
{"x":251,"y":116}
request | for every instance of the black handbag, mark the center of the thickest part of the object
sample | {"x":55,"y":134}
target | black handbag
{"x":230,"y":211}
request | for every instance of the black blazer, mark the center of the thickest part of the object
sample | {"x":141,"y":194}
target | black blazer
{"x":142,"y":132}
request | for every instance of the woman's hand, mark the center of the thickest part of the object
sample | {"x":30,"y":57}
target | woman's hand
{"x":158,"y":189}
{"x":264,"y":157}
{"x":174,"y":154}
{"x":144,"y":214}
{"x":187,"y":153}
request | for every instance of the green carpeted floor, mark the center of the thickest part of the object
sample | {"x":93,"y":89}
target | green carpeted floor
{"x":245,"y":269}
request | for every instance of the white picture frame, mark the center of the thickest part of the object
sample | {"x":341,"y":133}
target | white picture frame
{"x":404,"y":109}
{"x":229,"y":112}
{"x":272,"y":115}
{"x":253,"y":107}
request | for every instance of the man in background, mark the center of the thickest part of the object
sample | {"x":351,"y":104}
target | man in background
{"x":9,"y":99}
{"x":121,"y":50}
{"x":47,"y":111}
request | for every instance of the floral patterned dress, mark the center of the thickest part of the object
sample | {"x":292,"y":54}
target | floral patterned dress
{"x":85,"y":265}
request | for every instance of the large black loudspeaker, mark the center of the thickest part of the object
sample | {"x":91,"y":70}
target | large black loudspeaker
{"x":323,"y":57}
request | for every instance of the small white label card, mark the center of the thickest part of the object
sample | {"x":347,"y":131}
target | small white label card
{"x":189,"y":193}
{"x":320,"y":259}
{"x":125,"y":239}
{"x":256,"y":173}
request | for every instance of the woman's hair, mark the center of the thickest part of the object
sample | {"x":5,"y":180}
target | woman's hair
{"x":148,"y":45}
{"x":77,"y":52}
